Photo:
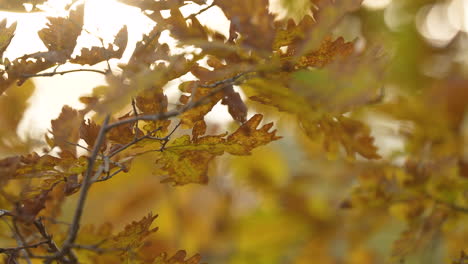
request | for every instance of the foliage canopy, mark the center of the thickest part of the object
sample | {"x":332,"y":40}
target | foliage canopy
{"x":314,"y":186}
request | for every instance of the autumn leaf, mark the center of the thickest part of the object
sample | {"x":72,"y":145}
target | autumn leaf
{"x":6,"y":35}
{"x":124,"y":133}
{"x":186,"y":160}
{"x":13,"y":104}
{"x":19,"y":5}
{"x":293,"y":9}
{"x":418,"y":235}
{"x":61,"y":33}
{"x":98,"y":54}
{"x":153,"y":101}
{"x":236,"y":107}
{"x":129,"y":239}
{"x":327,"y":52}
{"x":249,"y":20}
{"x":353,"y":135}
{"x":178,"y":258}
{"x":133,"y":234}
{"x":89,"y":131}
{"x":66,"y":130}
{"x":181,"y":30}
{"x":330,"y":13}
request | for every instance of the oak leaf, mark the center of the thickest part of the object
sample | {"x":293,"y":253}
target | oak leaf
{"x":6,"y":35}
{"x":249,"y":20}
{"x":66,"y":130}
{"x":127,"y":240}
{"x":178,"y":258}
{"x":186,"y":160}
{"x":61,"y":34}
{"x":98,"y":54}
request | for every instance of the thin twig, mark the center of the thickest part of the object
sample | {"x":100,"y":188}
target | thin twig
{"x":21,"y":241}
{"x":110,"y":175}
{"x":12,"y":249}
{"x":43,"y":231}
{"x":97,"y":249}
{"x":201,"y":11}
{"x":135,"y":113}
{"x":168,"y":137}
{"x":49,"y":74}
{"x":134,"y":141}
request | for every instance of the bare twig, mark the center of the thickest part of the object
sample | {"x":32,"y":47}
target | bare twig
{"x":135,"y":113}
{"x":109,"y":175}
{"x":134,"y":141}
{"x":43,"y":231}
{"x":21,"y":241}
{"x":97,"y":249}
{"x":49,"y":74}
{"x":168,"y":137}
{"x":13,"y":249}
{"x":201,"y":11}
{"x":4,"y":212}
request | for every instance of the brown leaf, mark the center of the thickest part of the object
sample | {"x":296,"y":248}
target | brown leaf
{"x":250,"y":137}
{"x":187,"y":161}
{"x":6,"y":35}
{"x":251,"y":23}
{"x":98,"y":54}
{"x":329,"y":15}
{"x":8,"y":168}
{"x":178,"y":258}
{"x":352,"y":134}
{"x":326,"y":53}
{"x":124,"y":133}
{"x":89,"y":132}
{"x":236,"y":107}
{"x":181,"y":30}
{"x":199,"y":129}
{"x":66,"y":130}
{"x":61,"y":33}
{"x":133,"y":235}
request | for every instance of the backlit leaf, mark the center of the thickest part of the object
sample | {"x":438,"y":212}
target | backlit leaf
{"x":98,"y":54}
{"x":66,"y":129}
{"x":186,"y":160}
{"x":61,"y":33}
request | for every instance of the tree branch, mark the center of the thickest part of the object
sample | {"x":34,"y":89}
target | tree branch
{"x":75,"y":225}
{"x":49,"y":74}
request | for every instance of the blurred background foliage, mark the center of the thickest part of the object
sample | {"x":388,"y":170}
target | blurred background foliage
{"x":289,"y":202}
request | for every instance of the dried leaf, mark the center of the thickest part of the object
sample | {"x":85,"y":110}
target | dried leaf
{"x":66,"y":130}
{"x":186,"y":160}
{"x":353,"y":135}
{"x":236,"y":107}
{"x":89,"y":132}
{"x":61,"y":33}
{"x":6,"y":35}
{"x":249,"y":20}
{"x":98,"y":54}
{"x":178,"y":258}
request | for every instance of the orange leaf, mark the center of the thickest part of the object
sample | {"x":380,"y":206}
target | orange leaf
{"x":66,"y":129}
